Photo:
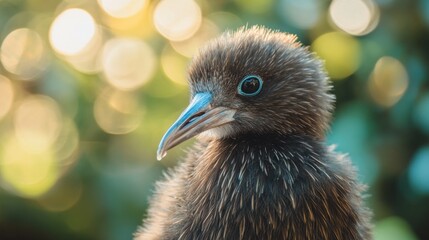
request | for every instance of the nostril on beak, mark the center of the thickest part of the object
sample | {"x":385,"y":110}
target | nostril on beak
{"x":193,"y":118}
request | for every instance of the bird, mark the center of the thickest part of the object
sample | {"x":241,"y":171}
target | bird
{"x":260,"y":107}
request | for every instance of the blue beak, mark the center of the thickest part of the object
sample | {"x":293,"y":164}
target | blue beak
{"x":198,"y":117}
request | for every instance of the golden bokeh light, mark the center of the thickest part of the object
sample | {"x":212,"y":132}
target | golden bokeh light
{"x":177,"y":20}
{"x":25,"y":172}
{"x":23,"y":53}
{"x":388,"y":81}
{"x":128,"y":63}
{"x":72,"y":31}
{"x":340,"y":52}
{"x":7,"y":94}
{"x":37,"y":123}
{"x":88,"y":59}
{"x":123,"y":8}
{"x":356,"y":17}
{"x":117,"y":112}
{"x":174,"y":66}
{"x":207,"y":31}
{"x":139,"y":25}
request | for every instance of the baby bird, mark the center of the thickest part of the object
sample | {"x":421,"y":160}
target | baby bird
{"x":260,"y":104}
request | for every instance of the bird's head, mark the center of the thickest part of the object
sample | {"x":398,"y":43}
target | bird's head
{"x":253,"y":81}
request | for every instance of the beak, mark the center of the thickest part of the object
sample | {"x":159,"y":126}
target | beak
{"x":198,"y":117}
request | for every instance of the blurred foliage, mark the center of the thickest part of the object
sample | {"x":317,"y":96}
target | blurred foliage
{"x":87,"y":89}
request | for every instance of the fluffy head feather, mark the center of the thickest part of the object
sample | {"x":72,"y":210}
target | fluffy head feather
{"x":295,"y":96}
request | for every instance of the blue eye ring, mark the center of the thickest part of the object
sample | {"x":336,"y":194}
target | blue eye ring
{"x":253,"y":89}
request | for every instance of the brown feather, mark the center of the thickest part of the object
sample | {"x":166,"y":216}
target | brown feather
{"x":268,"y":175}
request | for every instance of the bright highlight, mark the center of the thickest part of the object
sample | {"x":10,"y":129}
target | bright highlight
{"x":388,"y":81}
{"x":122,"y":8}
{"x":72,"y":31}
{"x":23,"y":53}
{"x":25,"y":172}
{"x":340,"y":52}
{"x":177,"y":20}
{"x":37,"y":123}
{"x":128,"y":63}
{"x":356,"y":17}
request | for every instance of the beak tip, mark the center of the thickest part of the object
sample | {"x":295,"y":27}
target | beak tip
{"x":200,"y":101}
{"x":160,"y":155}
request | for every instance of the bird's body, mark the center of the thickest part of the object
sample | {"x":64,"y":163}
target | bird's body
{"x":260,"y":179}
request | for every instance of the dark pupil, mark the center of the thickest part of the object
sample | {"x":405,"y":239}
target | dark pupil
{"x":250,"y":85}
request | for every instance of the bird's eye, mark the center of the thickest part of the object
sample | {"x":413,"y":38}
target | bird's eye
{"x":250,"y":86}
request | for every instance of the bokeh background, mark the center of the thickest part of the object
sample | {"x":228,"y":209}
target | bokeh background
{"x":88,"y":87}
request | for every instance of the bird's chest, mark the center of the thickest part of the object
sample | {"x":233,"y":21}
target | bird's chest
{"x":240,"y":199}
{"x":263,"y":193}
